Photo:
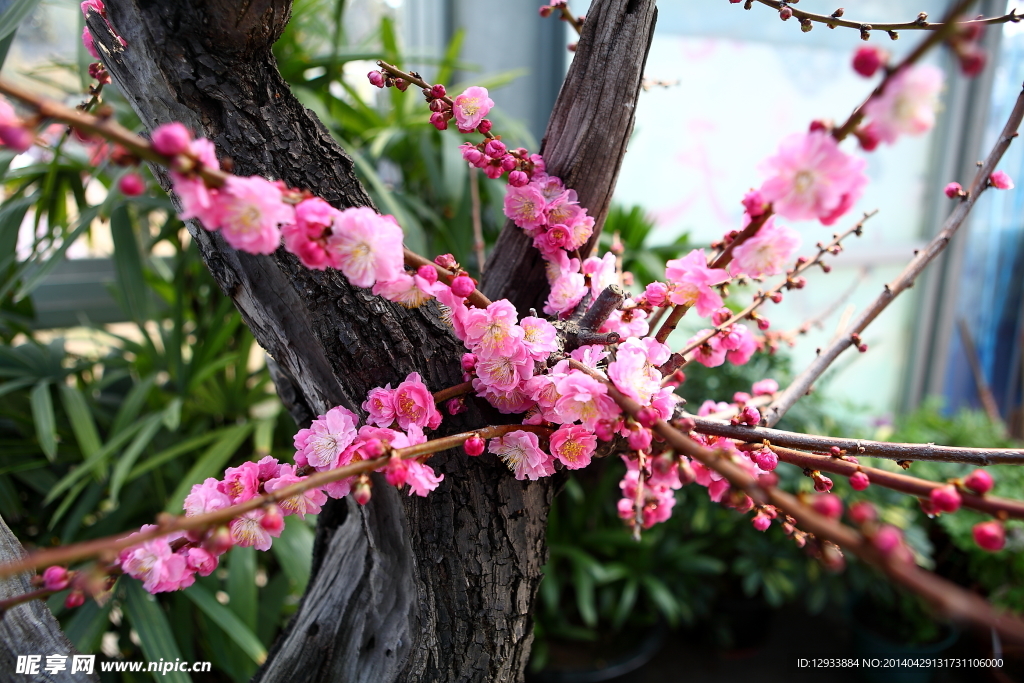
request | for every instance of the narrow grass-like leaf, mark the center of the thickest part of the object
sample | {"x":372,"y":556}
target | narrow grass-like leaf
{"x":150,"y":622}
{"x":43,"y":417}
{"x":82,"y":423}
{"x":15,"y":13}
{"x":128,"y":264}
{"x":132,"y":453}
{"x":242,"y":584}
{"x":86,"y":626}
{"x":118,"y":440}
{"x":174,"y":451}
{"x":294,"y":552}
{"x":241,"y":634}
{"x":210,"y":464}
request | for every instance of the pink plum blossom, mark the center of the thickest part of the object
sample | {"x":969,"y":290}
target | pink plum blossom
{"x":765,"y":387}
{"x":585,"y":399}
{"x":205,"y":497}
{"x":329,"y":436}
{"x":566,"y":292}
{"x":810,"y":177}
{"x":525,"y":206}
{"x":241,"y":483}
{"x":574,"y":446}
{"x":197,"y":200}
{"x":421,"y":479}
{"x":493,"y":330}
{"x":506,"y":402}
{"x":521,"y":453}
{"x":414,"y":404}
{"x":505,"y":373}
{"x":907,"y":105}
{"x":1001,"y":180}
{"x":766,"y":253}
{"x":692,"y":281}
{"x":249,"y":211}
{"x":380,"y":406}
{"x":539,"y":337}
{"x":709,"y":354}
{"x":307,"y":236}
{"x":247,"y":531}
{"x":471,"y":107}
{"x":366,"y":246}
{"x":410,"y":291}
{"x":154,"y":563}
{"x":307,"y":503}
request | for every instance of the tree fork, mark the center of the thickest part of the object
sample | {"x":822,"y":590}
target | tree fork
{"x":389,"y":599}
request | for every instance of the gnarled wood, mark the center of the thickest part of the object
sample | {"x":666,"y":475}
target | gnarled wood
{"x":586,"y":137}
{"x":29,"y":628}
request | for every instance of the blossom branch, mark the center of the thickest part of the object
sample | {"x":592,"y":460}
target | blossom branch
{"x":998,"y":507}
{"x":107,"y":547}
{"x":677,"y":360}
{"x":956,"y":602}
{"x":416,"y":79}
{"x":453,"y":392}
{"x":877,"y":449}
{"x":943,"y":31}
{"x":921,"y":23}
{"x":141,"y":148}
{"x":905,"y":280}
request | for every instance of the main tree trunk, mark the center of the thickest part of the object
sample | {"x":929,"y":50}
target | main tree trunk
{"x":403,"y":589}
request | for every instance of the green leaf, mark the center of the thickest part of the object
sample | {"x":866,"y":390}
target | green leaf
{"x":128,"y":264}
{"x":174,"y":451}
{"x":12,"y":215}
{"x":36,"y":271}
{"x":242,"y":584}
{"x":171,"y":415}
{"x":241,"y":634}
{"x":150,"y":622}
{"x":294,"y":552}
{"x":132,"y":404}
{"x":132,"y":453}
{"x":15,"y":13}
{"x":209,"y":464}
{"x":82,"y":423}
{"x":5,"y":46}
{"x":626,"y":601}
{"x":272,"y":604}
{"x":42,"y":415}
{"x":662,"y":597}
{"x":97,"y":458}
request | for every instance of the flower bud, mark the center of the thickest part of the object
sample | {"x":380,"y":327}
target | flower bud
{"x":131,"y":184}
{"x":686,"y":473}
{"x":822,"y":484}
{"x":1001,"y":180}
{"x":776,"y":297}
{"x":989,"y":536}
{"x":863,"y":512}
{"x":446,"y":261}
{"x":438,"y":91}
{"x":761,"y":521}
{"x":648,"y":417}
{"x":979,"y":481}
{"x":749,"y":416}
{"x":859,"y":481}
{"x":373,"y":448}
{"x":605,"y":430}
{"x":439,"y":120}
{"x":946,"y":498}
{"x":428,"y":273}
{"x":376,"y":78}
{"x":272,"y":519}
{"x":887,"y":539}
{"x":401,"y":84}
{"x":76,"y":598}
{"x":455,"y":406}
{"x":954,"y":190}
{"x":518,"y":179}
{"x":485,"y":127}
{"x":396,"y":471}
{"x":171,"y":139}
{"x":508,"y":163}
{"x":785,"y":13}
{"x":765,"y":459}
{"x":828,"y":505}
{"x":463,"y":286}
{"x":495,"y":148}
{"x":868,"y":59}
{"x":753,"y":203}
{"x":972,"y":60}
{"x":362,"y":490}
{"x":474,"y":445}
{"x":639,"y":439}
{"x":16,"y":137}
{"x":55,"y":578}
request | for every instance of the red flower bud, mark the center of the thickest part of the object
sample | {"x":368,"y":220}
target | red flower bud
{"x":474,"y":445}
{"x":979,"y":481}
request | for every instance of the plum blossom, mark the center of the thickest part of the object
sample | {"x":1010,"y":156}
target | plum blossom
{"x":525,"y":206}
{"x":471,"y":107}
{"x":493,"y":330}
{"x":421,"y":479}
{"x":154,"y":563}
{"x":250,"y":211}
{"x":907,"y":105}
{"x":585,"y":399}
{"x":810,"y":177}
{"x":574,"y":446}
{"x":328,"y":437}
{"x":692,"y":281}
{"x":205,"y":497}
{"x":505,"y":373}
{"x":539,"y":337}
{"x":408,"y":290}
{"x":635,"y":368}
{"x":380,"y":406}
{"x":302,"y":504}
{"x":247,"y":531}
{"x":566,"y":292}
{"x":767,"y":252}
{"x":414,"y":404}
{"x":13,"y":133}
{"x":197,"y":200}
{"x":521,"y":453}
{"x":366,"y":246}
{"x":307,"y":236}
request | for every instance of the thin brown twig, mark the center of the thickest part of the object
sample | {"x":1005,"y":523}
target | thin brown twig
{"x":415,"y":79}
{"x":676,"y":359}
{"x":919,"y":24}
{"x":942,"y":31}
{"x":957,"y":603}
{"x":922,"y":488}
{"x":453,"y":392}
{"x":166,"y":524}
{"x":981,"y":457}
{"x":140,"y":147}
{"x":905,"y":280}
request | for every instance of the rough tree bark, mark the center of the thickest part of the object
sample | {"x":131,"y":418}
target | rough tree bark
{"x":404,"y":588}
